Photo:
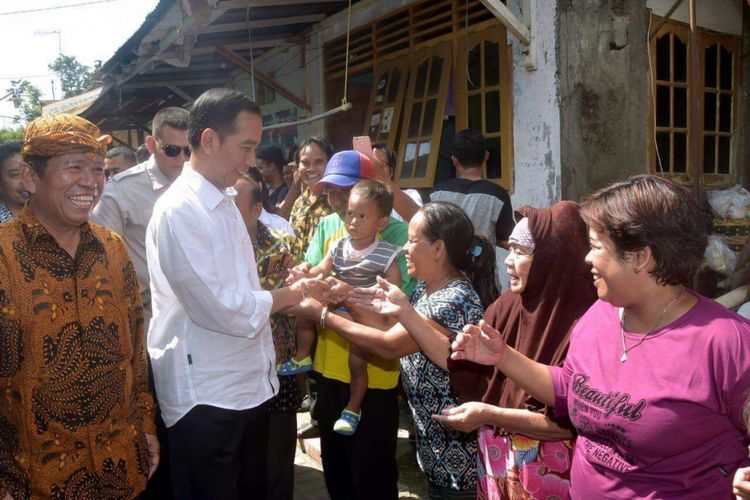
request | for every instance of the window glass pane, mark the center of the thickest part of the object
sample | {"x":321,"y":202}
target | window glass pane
{"x":662,"y":106}
{"x":709,"y":151}
{"x":411,"y":150}
{"x":474,"y":80}
{"x":437,"y":66}
{"x":416,"y":114}
{"x":710,"y":66}
{"x":393,"y":89}
{"x":724,"y":143}
{"x":491,"y":64}
{"x":662,"y":58}
{"x":429,"y":117}
{"x":662,"y":146}
{"x":709,"y":111}
{"x":475,"y":111}
{"x":492,"y":110}
{"x":380,"y":92}
{"x":421,"y":79}
{"x":422,"y":157}
{"x":680,"y":107}
{"x":680,"y":152}
{"x":726,"y":68}
{"x":725,"y":113}
{"x":494,"y":162}
{"x":680,"y":60}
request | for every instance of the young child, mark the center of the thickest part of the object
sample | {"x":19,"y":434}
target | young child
{"x":356,"y":259}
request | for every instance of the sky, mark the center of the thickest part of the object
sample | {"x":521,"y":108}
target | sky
{"x":88,"y":32}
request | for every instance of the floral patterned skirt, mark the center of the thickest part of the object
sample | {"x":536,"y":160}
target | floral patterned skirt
{"x":517,"y":467}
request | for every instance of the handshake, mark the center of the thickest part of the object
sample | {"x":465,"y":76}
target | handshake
{"x":325,"y":290}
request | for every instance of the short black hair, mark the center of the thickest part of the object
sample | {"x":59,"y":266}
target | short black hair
{"x":128,"y":153}
{"x":142,"y":154}
{"x":9,"y":149}
{"x":469,"y":148}
{"x":217,"y":109}
{"x":172,"y":117}
{"x":272,"y":155}
{"x":318,"y":141}
{"x":256,"y":193}
{"x":378,"y":192}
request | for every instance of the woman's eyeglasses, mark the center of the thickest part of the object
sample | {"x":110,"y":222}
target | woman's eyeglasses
{"x":172,"y":150}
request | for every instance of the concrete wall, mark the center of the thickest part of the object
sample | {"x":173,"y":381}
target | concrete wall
{"x":724,"y":16}
{"x":603,"y":93}
{"x":743,"y":134}
{"x":536,"y":114}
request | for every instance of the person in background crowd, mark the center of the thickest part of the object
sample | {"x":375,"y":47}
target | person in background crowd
{"x":486,"y":203}
{"x":76,"y":416}
{"x":142,"y":153}
{"x":381,"y":153}
{"x":268,"y":244}
{"x":656,"y":376}
{"x":289,"y":173}
{"x":524,"y":451}
{"x":12,"y":193}
{"x":118,"y":160}
{"x":455,"y":267}
{"x":270,"y":165}
{"x":210,"y":338}
{"x":125,"y":208}
{"x":312,"y":157}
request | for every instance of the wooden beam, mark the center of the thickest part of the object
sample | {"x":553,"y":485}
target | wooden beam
{"x":664,"y":19}
{"x":257,"y":44}
{"x":695,"y":133}
{"x":150,"y":84}
{"x":177,"y":90}
{"x":242,"y":4}
{"x":509,"y":20}
{"x":263,"y":23}
{"x":247,"y":67}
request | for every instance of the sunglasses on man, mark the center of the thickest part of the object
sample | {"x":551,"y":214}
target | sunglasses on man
{"x":172,"y":150}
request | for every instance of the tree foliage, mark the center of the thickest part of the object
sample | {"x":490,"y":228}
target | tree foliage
{"x":26,"y":99}
{"x":75,"y":77}
{"x":11,"y":134}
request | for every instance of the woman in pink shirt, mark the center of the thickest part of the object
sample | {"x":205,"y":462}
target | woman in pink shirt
{"x":656,"y":375}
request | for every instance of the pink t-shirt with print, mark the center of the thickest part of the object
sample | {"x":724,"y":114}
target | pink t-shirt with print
{"x":667,"y":423}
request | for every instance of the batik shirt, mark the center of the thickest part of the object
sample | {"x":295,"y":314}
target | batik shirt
{"x":283,"y":326}
{"x":74,"y":401}
{"x":445,"y":455}
{"x":5,"y":214}
{"x":306,"y":214}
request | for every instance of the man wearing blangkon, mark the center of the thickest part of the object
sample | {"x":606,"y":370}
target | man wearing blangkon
{"x":210,"y":338}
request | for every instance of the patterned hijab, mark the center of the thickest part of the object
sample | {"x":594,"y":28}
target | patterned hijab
{"x":55,"y":135}
{"x":537,"y":322}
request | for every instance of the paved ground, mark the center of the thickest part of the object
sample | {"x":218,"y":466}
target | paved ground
{"x":308,"y":473}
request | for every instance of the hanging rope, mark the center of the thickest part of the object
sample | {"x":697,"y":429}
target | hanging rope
{"x":344,"y":100}
{"x":250,"y":43}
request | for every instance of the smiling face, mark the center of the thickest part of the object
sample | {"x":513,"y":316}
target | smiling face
{"x":69,"y":187}
{"x":613,"y":277}
{"x":231,"y":158}
{"x":12,"y":193}
{"x":517,"y":266}
{"x":363,"y":218}
{"x":312,"y":163}
{"x":419,"y":252}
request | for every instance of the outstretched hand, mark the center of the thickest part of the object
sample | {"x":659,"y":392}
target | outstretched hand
{"x":479,"y":343}
{"x":466,"y":418}
{"x":384,"y":298}
{"x":298,"y":272}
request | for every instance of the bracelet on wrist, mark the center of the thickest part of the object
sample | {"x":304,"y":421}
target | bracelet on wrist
{"x":323,"y":316}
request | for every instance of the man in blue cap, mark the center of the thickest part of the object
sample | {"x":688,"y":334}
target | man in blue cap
{"x":362,"y":465}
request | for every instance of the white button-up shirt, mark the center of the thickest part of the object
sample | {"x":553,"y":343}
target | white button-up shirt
{"x":210,"y":336}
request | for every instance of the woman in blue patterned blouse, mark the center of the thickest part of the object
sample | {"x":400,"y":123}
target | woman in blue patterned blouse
{"x":456,"y":270}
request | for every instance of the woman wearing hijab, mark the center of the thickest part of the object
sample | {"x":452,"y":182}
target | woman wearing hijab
{"x":523,"y":450}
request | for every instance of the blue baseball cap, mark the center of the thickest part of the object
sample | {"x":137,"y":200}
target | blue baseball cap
{"x":345,"y":169}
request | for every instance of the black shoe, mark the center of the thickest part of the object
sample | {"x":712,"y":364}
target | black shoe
{"x":304,"y":404}
{"x":308,"y":431}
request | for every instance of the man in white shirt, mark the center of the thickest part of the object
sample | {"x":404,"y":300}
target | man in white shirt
{"x":210,"y":338}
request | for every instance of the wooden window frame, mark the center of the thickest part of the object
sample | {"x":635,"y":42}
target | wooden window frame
{"x":706,"y":38}
{"x":462,"y":94}
{"x":445,"y":52}
{"x":397,"y":105}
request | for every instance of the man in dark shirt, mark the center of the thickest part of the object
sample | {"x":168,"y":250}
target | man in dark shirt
{"x":270,"y":163}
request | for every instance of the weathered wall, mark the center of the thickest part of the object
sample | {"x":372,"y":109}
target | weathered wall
{"x":536,"y":114}
{"x":724,"y":16}
{"x":602,"y":53}
{"x":744,"y":104}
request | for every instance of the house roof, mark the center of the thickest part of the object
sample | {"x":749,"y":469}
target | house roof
{"x":172,"y":58}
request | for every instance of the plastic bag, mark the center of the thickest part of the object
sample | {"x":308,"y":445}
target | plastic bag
{"x":719,"y":256}
{"x":732,"y":203}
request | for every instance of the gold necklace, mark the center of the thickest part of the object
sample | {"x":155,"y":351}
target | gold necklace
{"x":645,"y":337}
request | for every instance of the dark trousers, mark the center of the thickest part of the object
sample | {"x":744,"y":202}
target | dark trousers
{"x":361,"y":466}
{"x":218,"y":453}
{"x":282,"y":445}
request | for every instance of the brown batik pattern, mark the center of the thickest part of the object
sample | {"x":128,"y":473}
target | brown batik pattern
{"x":111,"y":483}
